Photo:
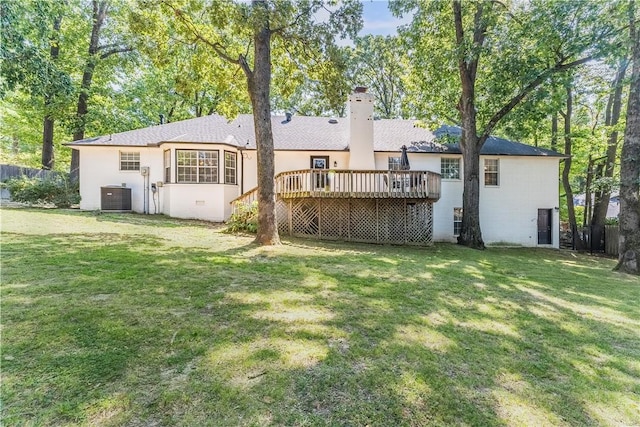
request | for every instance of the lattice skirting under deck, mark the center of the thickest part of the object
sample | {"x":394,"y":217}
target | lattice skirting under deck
{"x":360,"y":220}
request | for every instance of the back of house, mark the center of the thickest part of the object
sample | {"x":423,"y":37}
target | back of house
{"x":196,"y":168}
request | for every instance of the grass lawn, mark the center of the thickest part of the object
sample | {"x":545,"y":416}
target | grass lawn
{"x":127,"y":320}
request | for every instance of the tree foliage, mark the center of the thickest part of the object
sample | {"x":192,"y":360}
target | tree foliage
{"x":476,"y":61}
{"x":247,"y":38}
{"x":383,"y":68}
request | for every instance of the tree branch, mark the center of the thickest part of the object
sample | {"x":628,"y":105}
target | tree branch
{"x":217,"y":47}
{"x":279,"y":30}
{"x":559,"y":67}
{"x":479,"y":34}
{"x":107,"y":46}
{"x":457,"y":12}
{"x":113,"y":51}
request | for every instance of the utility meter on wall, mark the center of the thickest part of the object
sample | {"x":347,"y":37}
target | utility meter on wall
{"x":144,"y":170}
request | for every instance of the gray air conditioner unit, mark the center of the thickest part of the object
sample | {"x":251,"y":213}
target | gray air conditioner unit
{"x":115,"y":199}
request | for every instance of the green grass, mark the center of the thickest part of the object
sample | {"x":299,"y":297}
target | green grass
{"x":128,"y":320}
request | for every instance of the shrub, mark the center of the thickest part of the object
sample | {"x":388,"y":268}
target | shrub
{"x":58,"y":192}
{"x":245,"y":219}
{"x":612,"y":221}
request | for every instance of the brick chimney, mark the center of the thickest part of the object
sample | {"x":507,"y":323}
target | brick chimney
{"x":360,"y":116}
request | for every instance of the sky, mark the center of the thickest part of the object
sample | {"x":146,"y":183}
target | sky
{"x":378,"y":19}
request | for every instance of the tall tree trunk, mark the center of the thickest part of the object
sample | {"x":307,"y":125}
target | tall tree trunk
{"x":554,"y":131}
{"x":470,"y":143}
{"x":259,"y":82}
{"x":48,"y":158}
{"x":47,"y":139}
{"x":567,"y":167}
{"x":471,"y":234}
{"x":586,"y":214}
{"x":612,"y":116}
{"x":629,"y":246}
{"x":98,"y":17}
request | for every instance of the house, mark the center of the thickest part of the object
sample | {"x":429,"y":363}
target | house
{"x":335,"y":178}
{"x":613,"y":209}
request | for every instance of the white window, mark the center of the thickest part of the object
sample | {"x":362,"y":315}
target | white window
{"x":457,"y":221}
{"x":129,"y":161}
{"x":229,"y":167}
{"x":197,"y":166}
{"x":450,"y":167}
{"x":167,"y":165}
{"x":491,"y":172}
{"x":394,"y":163}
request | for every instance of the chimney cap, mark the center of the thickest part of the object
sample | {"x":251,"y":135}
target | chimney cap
{"x":360,"y":89}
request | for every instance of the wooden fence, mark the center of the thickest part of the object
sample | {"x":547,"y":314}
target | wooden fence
{"x":596,"y":239}
{"x":11,"y":171}
{"x":611,"y":239}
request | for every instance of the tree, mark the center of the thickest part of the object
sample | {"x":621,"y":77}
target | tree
{"x":499,"y":55}
{"x":247,"y":35}
{"x":315,"y":88}
{"x":97,"y":51}
{"x":606,"y":170}
{"x":31,"y":62}
{"x":567,"y":115}
{"x":629,"y":245}
{"x":382,"y":67}
{"x":49,"y":98}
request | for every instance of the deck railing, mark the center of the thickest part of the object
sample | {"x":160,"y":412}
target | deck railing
{"x":351,"y":184}
{"x":358,"y":184}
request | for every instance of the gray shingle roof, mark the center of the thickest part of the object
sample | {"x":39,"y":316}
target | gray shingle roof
{"x":301,"y":133}
{"x":392,"y":134}
{"x":493,"y":146}
{"x":305,"y":133}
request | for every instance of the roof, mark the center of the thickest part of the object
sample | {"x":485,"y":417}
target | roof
{"x":305,"y":134}
{"x":494,"y":146}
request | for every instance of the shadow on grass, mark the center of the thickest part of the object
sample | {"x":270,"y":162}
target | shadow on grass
{"x":132,"y":218}
{"x":312,"y":334}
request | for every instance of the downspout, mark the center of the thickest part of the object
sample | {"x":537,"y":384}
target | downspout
{"x":240,"y":149}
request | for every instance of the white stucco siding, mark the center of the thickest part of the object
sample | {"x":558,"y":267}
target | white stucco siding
{"x":285,"y":160}
{"x":360,"y":118}
{"x":100,"y":167}
{"x":451,"y":197}
{"x":209,"y":202}
{"x":509,"y":211}
{"x":250,"y":165}
{"x":295,"y":160}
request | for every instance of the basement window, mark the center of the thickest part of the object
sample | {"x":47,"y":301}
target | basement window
{"x":457,"y":221}
{"x":129,"y":161}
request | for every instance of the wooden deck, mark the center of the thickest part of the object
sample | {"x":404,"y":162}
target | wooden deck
{"x":363,"y":206}
{"x":358,"y":184}
{"x":351,"y":184}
